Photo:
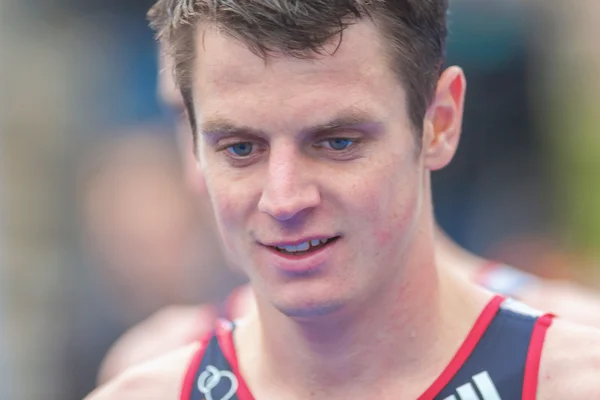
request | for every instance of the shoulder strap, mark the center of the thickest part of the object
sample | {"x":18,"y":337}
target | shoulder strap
{"x":213,"y":373}
{"x":190,"y":376}
{"x":496,"y":367}
{"x":463,"y":354}
{"x":534,"y":355}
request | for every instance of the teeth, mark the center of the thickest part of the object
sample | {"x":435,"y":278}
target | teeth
{"x":292,"y":249}
{"x":302,"y":246}
{"x":289,"y":249}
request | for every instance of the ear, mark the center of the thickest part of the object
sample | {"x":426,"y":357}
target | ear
{"x":443,"y":119}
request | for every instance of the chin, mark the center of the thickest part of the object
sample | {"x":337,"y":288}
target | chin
{"x":308,"y":312}
{"x":306,"y":307}
{"x":307,"y":297}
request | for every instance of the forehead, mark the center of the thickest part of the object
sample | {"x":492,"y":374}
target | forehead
{"x":232,"y":82}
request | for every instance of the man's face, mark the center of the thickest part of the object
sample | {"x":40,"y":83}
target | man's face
{"x":312,"y":168}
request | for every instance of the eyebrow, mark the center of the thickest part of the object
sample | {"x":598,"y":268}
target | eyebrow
{"x":223,"y":127}
{"x":348,"y":119}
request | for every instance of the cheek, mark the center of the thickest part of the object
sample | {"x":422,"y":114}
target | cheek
{"x":397,"y":221}
{"x":222,"y":192}
{"x":230,"y":207}
{"x":226,"y":210}
{"x":392,"y":206}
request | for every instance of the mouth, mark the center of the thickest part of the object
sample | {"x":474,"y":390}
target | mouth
{"x":304,"y":248}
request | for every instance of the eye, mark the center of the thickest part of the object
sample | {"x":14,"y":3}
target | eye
{"x":338,"y":144}
{"x":243,"y":149}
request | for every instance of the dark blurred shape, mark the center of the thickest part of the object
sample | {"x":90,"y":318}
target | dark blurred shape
{"x":492,"y":188}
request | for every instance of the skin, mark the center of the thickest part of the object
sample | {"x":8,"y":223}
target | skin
{"x":376,"y":197}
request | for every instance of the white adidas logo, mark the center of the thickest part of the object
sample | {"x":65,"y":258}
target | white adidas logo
{"x":484,"y":385}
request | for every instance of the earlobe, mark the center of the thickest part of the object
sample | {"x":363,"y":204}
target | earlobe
{"x":444,"y":119}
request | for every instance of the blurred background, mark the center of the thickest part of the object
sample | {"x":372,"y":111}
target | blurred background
{"x":98,"y":227}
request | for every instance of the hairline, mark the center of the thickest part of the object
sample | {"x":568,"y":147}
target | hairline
{"x":390,"y":53}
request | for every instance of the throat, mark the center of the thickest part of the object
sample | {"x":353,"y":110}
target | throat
{"x":346,"y":353}
{"x":337,"y":365}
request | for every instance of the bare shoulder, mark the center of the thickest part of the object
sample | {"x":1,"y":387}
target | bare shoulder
{"x":570,"y":363}
{"x":159,"y":379}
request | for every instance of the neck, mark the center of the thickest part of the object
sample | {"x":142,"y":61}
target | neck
{"x":450,"y":256}
{"x":353,"y":351}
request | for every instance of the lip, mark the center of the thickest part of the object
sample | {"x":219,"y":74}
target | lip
{"x":302,"y":264}
{"x":299,"y":241}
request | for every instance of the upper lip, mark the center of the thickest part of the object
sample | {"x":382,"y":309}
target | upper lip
{"x":298,"y":241}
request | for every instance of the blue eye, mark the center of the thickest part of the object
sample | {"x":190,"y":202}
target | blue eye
{"x":241,"y":149}
{"x":339,"y":143}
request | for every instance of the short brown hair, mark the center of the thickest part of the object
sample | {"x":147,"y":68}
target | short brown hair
{"x":416,"y":31}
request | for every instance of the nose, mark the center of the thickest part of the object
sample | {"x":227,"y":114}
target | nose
{"x":289,"y":189}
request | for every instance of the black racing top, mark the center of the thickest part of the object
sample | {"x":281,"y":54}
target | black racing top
{"x":499,"y":360}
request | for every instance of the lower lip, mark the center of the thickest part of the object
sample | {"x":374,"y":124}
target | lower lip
{"x":301,"y":264}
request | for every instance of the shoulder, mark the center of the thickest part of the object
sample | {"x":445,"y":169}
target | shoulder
{"x":566,"y":299}
{"x":570,"y":363}
{"x":160,"y":379}
{"x":167,"y":330}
